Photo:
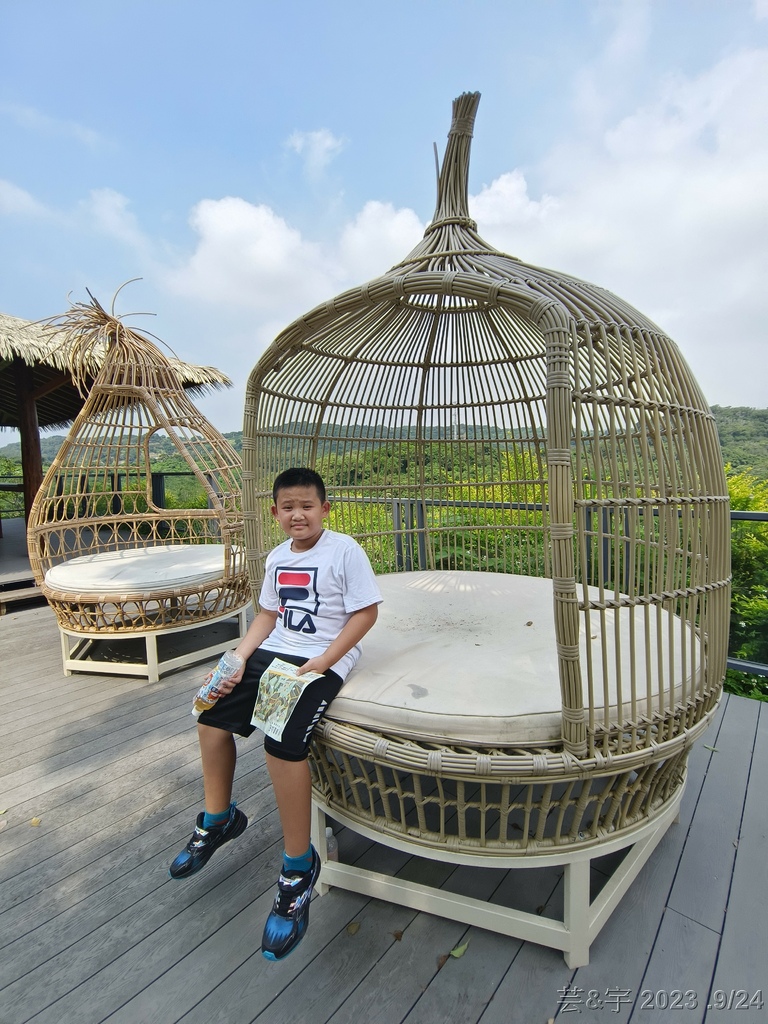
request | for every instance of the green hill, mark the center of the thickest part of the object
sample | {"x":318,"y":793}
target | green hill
{"x":743,"y":439}
{"x":160,"y":447}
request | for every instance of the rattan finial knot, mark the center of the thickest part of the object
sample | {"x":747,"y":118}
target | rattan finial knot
{"x":463,"y":126}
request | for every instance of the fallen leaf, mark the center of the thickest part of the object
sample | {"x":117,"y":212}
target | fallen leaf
{"x":530,"y":622}
{"x":398,"y":936}
{"x":540,"y":909}
{"x":3,"y":823}
{"x":353,"y":928}
{"x":35,"y":821}
{"x":4,"y":810}
{"x":442,"y":960}
{"x":458,"y":951}
{"x":713,"y":749}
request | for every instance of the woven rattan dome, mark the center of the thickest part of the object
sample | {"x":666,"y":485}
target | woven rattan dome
{"x":98,"y":498}
{"x":517,"y":419}
{"x":474,"y":415}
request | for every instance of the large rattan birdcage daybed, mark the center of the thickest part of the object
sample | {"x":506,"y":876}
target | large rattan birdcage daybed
{"x":538,"y":482}
{"x":114,"y":562}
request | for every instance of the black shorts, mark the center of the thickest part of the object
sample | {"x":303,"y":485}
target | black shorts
{"x":233,"y":712}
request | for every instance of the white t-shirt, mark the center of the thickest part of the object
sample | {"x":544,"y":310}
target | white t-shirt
{"x":314,"y":593}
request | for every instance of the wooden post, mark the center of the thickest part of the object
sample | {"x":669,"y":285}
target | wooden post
{"x":31,"y":453}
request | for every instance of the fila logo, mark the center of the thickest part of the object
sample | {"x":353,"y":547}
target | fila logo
{"x":297,"y":597}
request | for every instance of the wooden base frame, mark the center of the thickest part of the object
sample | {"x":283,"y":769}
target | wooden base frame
{"x":75,"y":648}
{"x":582,"y":919}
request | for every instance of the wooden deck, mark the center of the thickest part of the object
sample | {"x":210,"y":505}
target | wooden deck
{"x":14,"y":559}
{"x":101,"y":784}
{"x":17,"y":587}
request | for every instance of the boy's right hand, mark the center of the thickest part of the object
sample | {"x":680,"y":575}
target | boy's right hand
{"x":232,"y":682}
{"x":225,"y":686}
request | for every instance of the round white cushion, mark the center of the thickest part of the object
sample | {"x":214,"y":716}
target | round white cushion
{"x":470,"y":658}
{"x":152,"y":570}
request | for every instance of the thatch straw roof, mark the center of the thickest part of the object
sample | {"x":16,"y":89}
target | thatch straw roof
{"x":46,"y":354}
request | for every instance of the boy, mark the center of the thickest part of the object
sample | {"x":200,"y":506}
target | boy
{"x":318,"y":599}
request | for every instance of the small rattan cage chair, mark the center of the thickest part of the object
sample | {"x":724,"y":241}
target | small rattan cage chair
{"x":537,"y":479}
{"x":113,"y":561}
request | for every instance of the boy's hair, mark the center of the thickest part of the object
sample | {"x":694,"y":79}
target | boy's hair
{"x":298,"y":477}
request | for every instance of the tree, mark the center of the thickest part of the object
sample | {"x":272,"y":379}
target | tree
{"x":749,"y":604}
{"x":11,"y":503}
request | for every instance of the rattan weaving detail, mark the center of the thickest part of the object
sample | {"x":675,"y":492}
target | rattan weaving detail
{"x":98,"y":495}
{"x":469,"y":411}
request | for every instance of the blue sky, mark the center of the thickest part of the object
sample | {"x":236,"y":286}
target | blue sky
{"x":248,"y":160}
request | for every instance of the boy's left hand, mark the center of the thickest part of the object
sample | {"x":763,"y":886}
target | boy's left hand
{"x":313,"y":665}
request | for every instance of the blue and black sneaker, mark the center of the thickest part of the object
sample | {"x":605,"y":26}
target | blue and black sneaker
{"x":205,"y":842}
{"x":289,"y":917}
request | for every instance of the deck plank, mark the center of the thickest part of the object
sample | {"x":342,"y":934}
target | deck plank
{"x":140,"y":967}
{"x":395,"y":982}
{"x":742,"y":959}
{"x":93,"y":930}
{"x":400,"y":978}
{"x":52,"y":786}
{"x":81,"y":888}
{"x":704,"y":879}
{"x":154,"y":924}
{"x":620,"y":954}
{"x":461,"y":990}
{"x":529,"y":989}
{"x":57,"y":740}
{"x":679,"y":972}
{"x":81,"y":725}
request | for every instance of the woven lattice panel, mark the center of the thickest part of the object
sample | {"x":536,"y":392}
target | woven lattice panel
{"x":100,"y":493}
{"x":469,"y":411}
{"x":498,"y":813}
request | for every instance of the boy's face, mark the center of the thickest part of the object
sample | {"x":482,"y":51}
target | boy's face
{"x":300,"y":514}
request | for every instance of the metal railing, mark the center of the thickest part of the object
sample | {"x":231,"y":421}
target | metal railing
{"x":11,"y":496}
{"x":408,"y":518}
{"x":410,"y":534}
{"x":753,"y":668}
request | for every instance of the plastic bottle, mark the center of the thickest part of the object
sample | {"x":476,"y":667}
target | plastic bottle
{"x":331,"y":844}
{"x":207,"y":695}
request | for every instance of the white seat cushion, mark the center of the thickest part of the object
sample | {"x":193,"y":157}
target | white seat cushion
{"x":470,"y":658}
{"x":150,"y":571}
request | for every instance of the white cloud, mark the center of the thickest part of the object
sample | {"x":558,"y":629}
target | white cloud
{"x":105,"y":211}
{"x":761,"y":9}
{"x":506,"y":201}
{"x":108,"y":212}
{"x":42,"y":124}
{"x":604,"y":83}
{"x":16,"y":201}
{"x":376,"y":239}
{"x":249,"y":257}
{"x":665,"y":206}
{"x":663,"y":202}
{"x":251,"y":273}
{"x":668,"y":208}
{"x":317,"y":149}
